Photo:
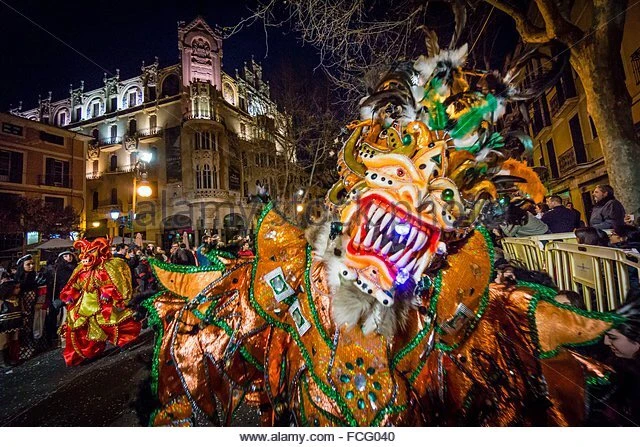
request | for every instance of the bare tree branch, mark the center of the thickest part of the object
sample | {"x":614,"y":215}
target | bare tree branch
{"x":528,"y":31}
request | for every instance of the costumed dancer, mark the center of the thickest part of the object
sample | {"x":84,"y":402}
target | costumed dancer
{"x":96,"y":298}
{"x":387,"y":316}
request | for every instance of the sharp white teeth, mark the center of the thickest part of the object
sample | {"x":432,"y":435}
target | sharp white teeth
{"x":392,"y":225}
{"x":405,"y":259}
{"x":369,"y":239}
{"x":420,"y":241}
{"x":420,"y":266}
{"x":358,"y":238}
{"x":410,"y":265}
{"x":401,"y":239}
{"x":412,"y":235}
{"x":378,"y":243}
{"x":376,"y":216}
{"x":396,"y":256}
{"x":386,"y":248}
{"x":372,"y":209}
{"x":385,"y":220}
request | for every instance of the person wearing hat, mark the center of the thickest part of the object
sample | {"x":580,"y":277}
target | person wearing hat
{"x":29,"y":284}
{"x":64,"y":266}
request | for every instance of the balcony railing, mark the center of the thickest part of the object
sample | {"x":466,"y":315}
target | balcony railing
{"x":149,"y":132}
{"x":58,"y":180}
{"x":95,"y":175}
{"x":203,"y":116}
{"x":567,"y":161}
{"x":110,"y":141}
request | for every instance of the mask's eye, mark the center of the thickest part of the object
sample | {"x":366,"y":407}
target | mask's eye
{"x":382,"y":135}
{"x":400,"y":172}
{"x":448,"y":195}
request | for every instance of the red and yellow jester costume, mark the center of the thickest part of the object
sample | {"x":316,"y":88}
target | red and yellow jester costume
{"x":96,"y":297}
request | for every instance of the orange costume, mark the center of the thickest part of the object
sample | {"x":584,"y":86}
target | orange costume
{"x":96,"y":297}
{"x":388,"y":316}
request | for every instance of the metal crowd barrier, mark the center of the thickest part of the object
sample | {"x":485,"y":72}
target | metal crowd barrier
{"x":602,"y":275}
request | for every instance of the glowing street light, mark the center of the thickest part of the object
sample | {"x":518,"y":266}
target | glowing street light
{"x":96,"y":224}
{"x":299,"y":208}
{"x":145,"y":157}
{"x":144,"y":189}
{"x":114,"y":214}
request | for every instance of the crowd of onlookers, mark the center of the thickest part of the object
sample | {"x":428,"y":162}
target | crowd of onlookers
{"x":607,"y":226}
{"x":31,"y":311}
{"x":524,"y":217}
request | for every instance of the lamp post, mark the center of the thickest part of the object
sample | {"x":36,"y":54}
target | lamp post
{"x":114,"y":214}
{"x":144,"y":189}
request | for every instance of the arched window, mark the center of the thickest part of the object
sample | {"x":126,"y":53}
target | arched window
{"x":153,"y":123}
{"x":96,"y":165}
{"x":198,"y":177}
{"x":133,"y":159}
{"x":206,"y":177}
{"x":114,"y":196}
{"x":62,"y":117}
{"x":132,"y":97}
{"x":214,"y":177}
{"x":133,"y":127}
{"x":170,"y":86}
{"x":113,"y":163}
{"x":95,"y":133}
{"x":95,"y":200}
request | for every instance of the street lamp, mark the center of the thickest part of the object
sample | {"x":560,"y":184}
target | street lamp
{"x":114,"y":214}
{"x":144,"y":188}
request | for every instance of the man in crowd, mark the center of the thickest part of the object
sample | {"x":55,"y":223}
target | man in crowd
{"x":560,"y":219}
{"x":608,"y":212}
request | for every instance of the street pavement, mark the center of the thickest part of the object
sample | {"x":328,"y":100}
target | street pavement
{"x":108,"y":391}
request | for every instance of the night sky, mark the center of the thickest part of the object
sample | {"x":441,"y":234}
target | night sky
{"x":32,"y":62}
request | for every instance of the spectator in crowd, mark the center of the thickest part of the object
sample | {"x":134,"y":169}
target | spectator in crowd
{"x":624,"y":341}
{"x":182,"y":255}
{"x":123,"y":253}
{"x":626,"y":237}
{"x":592,"y":236}
{"x":29,"y":284}
{"x":541,"y":209}
{"x":65,"y":264}
{"x":560,"y":219}
{"x":10,"y":323}
{"x":520,"y":223}
{"x":607,"y":212}
{"x":569,"y":206}
{"x":245,"y":251}
{"x":570,"y":298}
{"x":202,"y":250}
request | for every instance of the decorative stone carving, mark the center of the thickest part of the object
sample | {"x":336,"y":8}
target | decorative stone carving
{"x":130,"y":143}
{"x":93,"y":151}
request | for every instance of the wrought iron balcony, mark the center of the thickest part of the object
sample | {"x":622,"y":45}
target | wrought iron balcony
{"x":155,"y":131}
{"x":110,"y":141}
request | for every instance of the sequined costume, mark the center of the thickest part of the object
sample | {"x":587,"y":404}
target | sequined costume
{"x":96,"y":298}
{"x":388,"y":316}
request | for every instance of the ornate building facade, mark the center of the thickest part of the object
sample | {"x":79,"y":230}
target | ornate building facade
{"x":212,"y":138}
{"x":565,"y":138}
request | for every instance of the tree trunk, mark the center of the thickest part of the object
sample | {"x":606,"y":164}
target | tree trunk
{"x":609,"y":104}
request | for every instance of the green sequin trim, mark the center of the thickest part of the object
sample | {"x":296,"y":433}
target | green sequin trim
{"x":394,"y":409}
{"x":155,"y":322}
{"x":312,"y":306}
{"x":175,"y":268}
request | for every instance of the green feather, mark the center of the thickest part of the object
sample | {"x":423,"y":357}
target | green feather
{"x":470,"y":121}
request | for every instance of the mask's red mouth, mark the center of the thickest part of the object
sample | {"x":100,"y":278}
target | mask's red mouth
{"x":391,"y":234}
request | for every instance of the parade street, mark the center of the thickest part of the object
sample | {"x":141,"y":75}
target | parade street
{"x":108,"y":391}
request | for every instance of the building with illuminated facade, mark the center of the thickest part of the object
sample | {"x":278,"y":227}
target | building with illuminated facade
{"x":212,"y":137}
{"x":565,"y":139}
